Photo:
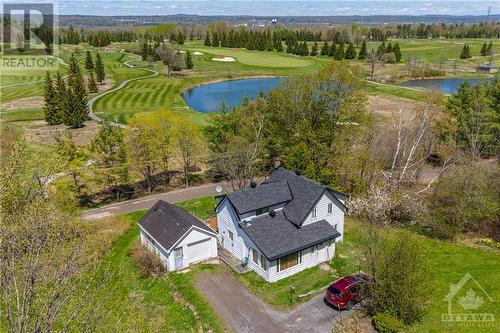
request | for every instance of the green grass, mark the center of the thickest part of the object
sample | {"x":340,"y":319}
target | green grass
{"x":448,"y":262}
{"x":279,"y":293}
{"x":203,"y":207}
{"x":394,"y":91}
{"x":150,"y":304}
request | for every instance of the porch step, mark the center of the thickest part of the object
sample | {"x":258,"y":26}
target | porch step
{"x":226,"y":257}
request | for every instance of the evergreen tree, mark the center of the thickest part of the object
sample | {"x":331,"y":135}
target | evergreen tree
{"x":465,"y":54}
{"x":381,"y":48}
{"x":397,"y":52}
{"x":340,"y":54}
{"x":489,"y":49}
{"x":207,"y":40}
{"x":180,"y":38}
{"x":363,"y":52}
{"x":280,"y":46}
{"x":73,"y":64}
{"x":215,"y":40}
{"x":50,"y":107}
{"x":89,"y":64}
{"x":60,"y":98}
{"x":333,"y":50}
{"x":191,"y":35}
{"x":91,"y":82}
{"x":76,"y":111}
{"x":484,"y":50}
{"x":99,"y":69}
{"x":314,"y":49}
{"x":351,"y":52}
{"x":325,"y":48}
{"x":189,"y":60}
{"x":389,"y":48}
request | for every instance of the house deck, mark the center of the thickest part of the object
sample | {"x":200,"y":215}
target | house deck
{"x":226,"y":257}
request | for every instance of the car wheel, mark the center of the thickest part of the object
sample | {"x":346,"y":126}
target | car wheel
{"x":349,"y":306}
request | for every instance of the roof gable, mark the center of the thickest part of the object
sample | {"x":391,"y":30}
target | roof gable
{"x":167,"y":223}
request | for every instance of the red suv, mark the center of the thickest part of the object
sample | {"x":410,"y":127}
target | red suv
{"x":347,"y":291}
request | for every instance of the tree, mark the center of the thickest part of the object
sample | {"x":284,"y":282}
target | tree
{"x":73,"y":158}
{"x":475,"y":110}
{"x":170,"y":57}
{"x":189,"y":60}
{"x":89,"y":63}
{"x":484,"y":50}
{"x":465,"y":53}
{"x":109,"y":153}
{"x":99,"y":69}
{"x":189,"y":145}
{"x":207,"y":40}
{"x":314,"y":49}
{"x":50,"y":103}
{"x":373,"y":57}
{"x":489,"y":49}
{"x":91,"y":82}
{"x":397,"y":52}
{"x":363,"y":53}
{"x":60,"y":98}
{"x":325,"y":48}
{"x":73,"y":64}
{"x":340,"y":54}
{"x":351,"y":52}
{"x":75,"y":107}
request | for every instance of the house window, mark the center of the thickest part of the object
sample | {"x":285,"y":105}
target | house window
{"x":231,"y":236}
{"x":178,"y":252}
{"x":289,"y":261}
{"x":314,"y":213}
{"x":255,"y":256}
{"x":330,"y":208}
{"x":262,"y":211}
{"x":263,"y":262}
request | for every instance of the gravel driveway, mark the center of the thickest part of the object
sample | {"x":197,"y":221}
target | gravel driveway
{"x":241,"y":310}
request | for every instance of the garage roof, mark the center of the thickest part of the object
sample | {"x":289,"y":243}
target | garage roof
{"x":167,"y":223}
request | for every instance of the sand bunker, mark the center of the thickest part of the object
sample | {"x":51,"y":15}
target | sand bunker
{"x":225,"y":59}
{"x":197,"y":53}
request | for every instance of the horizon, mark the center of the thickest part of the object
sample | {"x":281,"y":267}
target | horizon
{"x":279,"y":8}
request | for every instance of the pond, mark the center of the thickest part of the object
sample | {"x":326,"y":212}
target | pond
{"x":208,"y":97}
{"x":446,"y":85}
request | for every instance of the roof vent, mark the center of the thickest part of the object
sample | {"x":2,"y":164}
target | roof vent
{"x":272,"y":213}
{"x":253,"y":184}
{"x":297,"y":172}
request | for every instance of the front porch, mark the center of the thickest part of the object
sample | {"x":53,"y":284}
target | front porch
{"x":226,"y":257}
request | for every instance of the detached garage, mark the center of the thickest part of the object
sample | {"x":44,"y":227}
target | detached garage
{"x":179,"y":238}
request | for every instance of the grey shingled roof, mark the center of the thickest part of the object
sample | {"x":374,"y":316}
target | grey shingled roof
{"x":166,"y":223}
{"x":305,"y":194}
{"x":264,"y":195}
{"x":276,"y":236}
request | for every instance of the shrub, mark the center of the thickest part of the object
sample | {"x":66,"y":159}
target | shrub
{"x":149,"y":263}
{"x":385,"y":323}
{"x":389,"y":58}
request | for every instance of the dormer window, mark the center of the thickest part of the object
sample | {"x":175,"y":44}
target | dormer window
{"x":261,"y":211}
{"x":314,"y":213}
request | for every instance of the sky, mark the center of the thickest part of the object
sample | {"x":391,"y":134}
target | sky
{"x":274,"y":7}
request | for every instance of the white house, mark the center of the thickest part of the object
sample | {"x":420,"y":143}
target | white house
{"x":179,"y":238}
{"x":282,"y":226}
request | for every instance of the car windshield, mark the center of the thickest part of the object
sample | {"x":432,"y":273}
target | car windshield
{"x":334,"y":290}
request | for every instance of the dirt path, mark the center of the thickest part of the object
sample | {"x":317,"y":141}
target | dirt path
{"x":244,"y":312}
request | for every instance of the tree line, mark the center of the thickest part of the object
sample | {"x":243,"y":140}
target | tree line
{"x":65,"y":98}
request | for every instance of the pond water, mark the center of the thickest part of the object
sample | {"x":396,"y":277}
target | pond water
{"x":208,"y":97}
{"x":446,"y":85}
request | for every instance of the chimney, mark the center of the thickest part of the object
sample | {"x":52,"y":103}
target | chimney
{"x":253,"y":184}
{"x":277,"y":162}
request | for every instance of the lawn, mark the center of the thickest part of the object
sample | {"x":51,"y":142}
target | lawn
{"x":154,"y":304}
{"x":448,"y":262}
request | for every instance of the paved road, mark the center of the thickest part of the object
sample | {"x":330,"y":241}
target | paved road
{"x":147,"y":202}
{"x":122,"y":84}
{"x":241,"y":310}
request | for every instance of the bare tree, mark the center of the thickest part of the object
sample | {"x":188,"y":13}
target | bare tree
{"x":373,"y":57}
{"x":171,"y":57}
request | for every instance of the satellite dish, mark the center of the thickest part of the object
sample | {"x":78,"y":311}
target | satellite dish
{"x":218,"y":189}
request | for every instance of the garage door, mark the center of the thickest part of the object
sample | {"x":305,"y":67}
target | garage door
{"x":200,"y":250}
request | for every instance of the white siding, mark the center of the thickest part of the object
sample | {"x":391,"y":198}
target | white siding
{"x":193,"y":236}
{"x":336,"y":218}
